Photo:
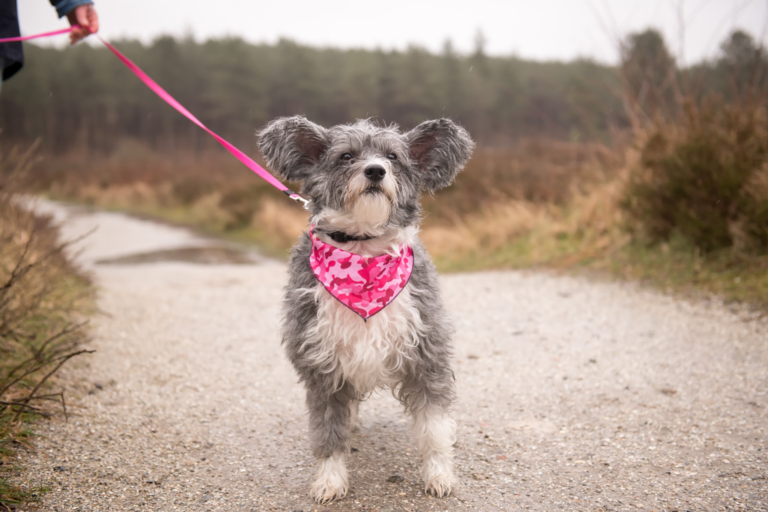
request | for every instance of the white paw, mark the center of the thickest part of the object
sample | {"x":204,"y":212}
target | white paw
{"x":437,"y":472}
{"x":440,"y":487}
{"x":331,"y":483}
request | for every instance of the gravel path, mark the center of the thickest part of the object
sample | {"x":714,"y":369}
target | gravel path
{"x":573,"y":395}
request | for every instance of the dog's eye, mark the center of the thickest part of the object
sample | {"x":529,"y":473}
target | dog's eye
{"x":346,"y":156}
{"x":392,"y":156}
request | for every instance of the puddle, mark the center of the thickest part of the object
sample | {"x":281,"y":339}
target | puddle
{"x":199,"y":255}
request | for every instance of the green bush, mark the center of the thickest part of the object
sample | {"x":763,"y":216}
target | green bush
{"x":705,"y":179}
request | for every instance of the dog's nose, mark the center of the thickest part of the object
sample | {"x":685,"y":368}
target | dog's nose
{"x":375,"y":173}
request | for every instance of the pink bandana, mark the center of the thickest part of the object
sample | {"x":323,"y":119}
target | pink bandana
{"x":364,"y":285}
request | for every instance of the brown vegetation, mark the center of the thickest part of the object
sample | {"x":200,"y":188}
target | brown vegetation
{"x":43,"y":307}
{"x":216,"y":194}
{"x":705,"y":178}
{"x":682,"y":205}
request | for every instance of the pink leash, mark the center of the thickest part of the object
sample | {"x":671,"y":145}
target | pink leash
{"x":248,"y":161}
{"x":44,"y":34}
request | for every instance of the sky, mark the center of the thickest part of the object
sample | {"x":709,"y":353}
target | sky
{"x":530,"y":29}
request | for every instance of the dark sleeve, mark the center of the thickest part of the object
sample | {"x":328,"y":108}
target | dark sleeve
{"x":10,"y":53}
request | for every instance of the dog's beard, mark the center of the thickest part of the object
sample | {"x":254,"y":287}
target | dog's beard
{"x":371,"y":204}
{"x":372,"y":208}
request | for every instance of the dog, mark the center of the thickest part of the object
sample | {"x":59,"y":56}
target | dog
{"x":364,"y":183}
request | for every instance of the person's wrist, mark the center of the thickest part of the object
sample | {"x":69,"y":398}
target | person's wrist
{"x":65,"y":7}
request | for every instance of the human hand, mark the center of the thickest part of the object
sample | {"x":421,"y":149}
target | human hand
{"x":86,"y":17}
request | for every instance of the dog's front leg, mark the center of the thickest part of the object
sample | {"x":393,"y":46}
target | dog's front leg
{"x":428,"y":392}
{"x":435,"y":434}
{"x":329,"y":420}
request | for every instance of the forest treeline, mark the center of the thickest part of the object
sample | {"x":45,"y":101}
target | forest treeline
{"x":84,"y":99}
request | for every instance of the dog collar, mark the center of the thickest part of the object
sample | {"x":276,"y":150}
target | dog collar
{"x":341,"y":237}
{"x":364,"y":285}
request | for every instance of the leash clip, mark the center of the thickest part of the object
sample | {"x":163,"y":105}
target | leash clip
{"x":296,"y":197}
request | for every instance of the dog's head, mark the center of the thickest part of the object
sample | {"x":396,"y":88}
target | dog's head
{"x":371,"y":174}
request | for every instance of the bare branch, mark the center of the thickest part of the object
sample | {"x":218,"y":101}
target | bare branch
{"x":62,"y":360}
{"x":67,"y":330}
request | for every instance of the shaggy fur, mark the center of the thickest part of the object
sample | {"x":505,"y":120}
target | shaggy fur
{"x":406,"y":347}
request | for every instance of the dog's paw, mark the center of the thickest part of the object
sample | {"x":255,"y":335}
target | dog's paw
{"x":325,"y":491}
{"x":331,"y":483}
{"x":437,"y":472}
{"x":440,"y":486}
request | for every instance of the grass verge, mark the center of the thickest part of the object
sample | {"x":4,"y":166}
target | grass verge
{"x":673,"y":268}
{"x":44,"y":305}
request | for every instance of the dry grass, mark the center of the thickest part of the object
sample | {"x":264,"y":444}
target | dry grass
{"x":44,"y":303}
{"x":551,"y":203}
{"x":216,"y":194}
{"x":540,"y":202}
{"x":523,"y":233}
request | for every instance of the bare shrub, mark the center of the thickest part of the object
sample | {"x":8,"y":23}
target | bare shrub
{"x":703,"y":178}
{"x":44,"y":303}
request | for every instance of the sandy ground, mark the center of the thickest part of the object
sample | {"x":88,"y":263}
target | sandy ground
{"x":573,"y":395}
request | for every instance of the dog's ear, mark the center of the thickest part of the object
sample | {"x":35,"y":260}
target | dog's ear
{"x":440,"y":149}
{"x":292,"y":146}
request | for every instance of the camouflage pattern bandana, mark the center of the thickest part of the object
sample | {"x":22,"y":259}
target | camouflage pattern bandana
{"x":364,"y":285}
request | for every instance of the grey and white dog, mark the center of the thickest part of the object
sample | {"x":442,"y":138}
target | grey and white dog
{"x":365,"y":180}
